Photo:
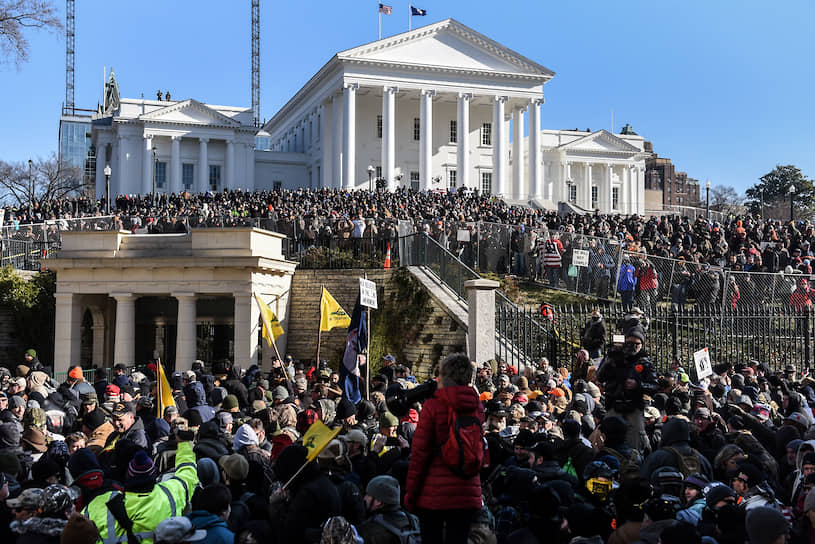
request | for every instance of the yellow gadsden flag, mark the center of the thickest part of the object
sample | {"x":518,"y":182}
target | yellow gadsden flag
{"x":317,"y":438}
{"x":164,"y":398}
{"x":270,"y":322}
{"x":331,"y":313}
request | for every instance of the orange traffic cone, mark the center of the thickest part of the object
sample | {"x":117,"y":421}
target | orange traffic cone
{"x":388,"y":257}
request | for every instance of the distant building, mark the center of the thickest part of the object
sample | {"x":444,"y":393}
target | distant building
{"x":664,"y":186}
{"x":75,"y":147}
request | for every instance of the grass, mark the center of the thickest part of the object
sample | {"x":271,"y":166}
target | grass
{"x":523,"y":291}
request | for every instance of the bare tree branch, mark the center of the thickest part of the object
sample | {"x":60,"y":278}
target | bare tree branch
{"x":18,"y":15}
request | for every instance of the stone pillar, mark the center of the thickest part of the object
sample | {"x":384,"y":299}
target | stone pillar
{"x":639,"y":183}
{"x":626,"y":192}
{"x":98,"y":356}
{"x":337,"y":147}
{"x":481,"y":319}
{"x":426,"y":145}
{"x":246,"y":319}
{"x":535,"y":166}
{"x":229,"y":165}
{"x":176,"y":183}
{"x":389,"y":136}
{"x":117,"y":183}
{"x":326,"y":142}
{"x":124,"y":350}
{"x":67,"y":323}
{"x":518,"y":153}
{"x":249,"y":180}
{"x":185,"y":341}
{"x":349,"y":135}
{"x":588,"y":185}
{"x":147,"y":165}
{"x":609,"y":187}
{"x":203,"y":166}
{"x":499,"y":157}
{"x":463,"y":137}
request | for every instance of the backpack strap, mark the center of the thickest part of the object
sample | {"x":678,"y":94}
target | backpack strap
{"x":400,"y":533}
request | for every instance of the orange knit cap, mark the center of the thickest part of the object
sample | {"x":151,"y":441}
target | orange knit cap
{"x":75,"y":373}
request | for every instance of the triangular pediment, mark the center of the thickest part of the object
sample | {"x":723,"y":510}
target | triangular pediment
{"x":447,"y":45}
{"x":600,"y":141}
{"x":190,"y":112}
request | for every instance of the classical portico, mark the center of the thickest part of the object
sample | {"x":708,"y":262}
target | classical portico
{"x":184,"y":285}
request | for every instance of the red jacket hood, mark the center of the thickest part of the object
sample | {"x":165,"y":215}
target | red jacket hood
{"x":462,"y":398}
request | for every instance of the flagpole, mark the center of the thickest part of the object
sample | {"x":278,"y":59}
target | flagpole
{"x":379,"y":12}
{"x":368,"y":355}
{"x":410,"y":17}
{"x":319,"y":325}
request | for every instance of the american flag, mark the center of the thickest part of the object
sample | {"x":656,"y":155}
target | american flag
{"x":385,"y":9}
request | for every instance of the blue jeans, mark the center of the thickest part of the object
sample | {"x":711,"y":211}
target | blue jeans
{"x":628,"y":300}
{"x":554,"y":276}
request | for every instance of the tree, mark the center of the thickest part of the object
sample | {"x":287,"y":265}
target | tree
{"x":725,"y":199}
{"x":771,"y":195}
{"x":17,"y":16}
{"x":49,"y":178}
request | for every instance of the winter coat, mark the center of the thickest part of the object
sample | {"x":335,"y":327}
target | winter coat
{"x":615,"y":369}
{"x":431,"y":484}
{"x":217,"y":531}
{"x":675,"y":434}
{"x":99,"y":436}
{"x":314,"y":499}
{"x":134,"y":434}
{"x":594,"y":334}
{"x":627,"y":278}
{"x":373,"y":532}
{"x":39,"y":530}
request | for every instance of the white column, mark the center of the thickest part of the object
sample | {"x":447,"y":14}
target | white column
{"x":349,"y":133}
{"x":147,"y":162}
{"x":639,"y":183}
{"x":426,"y":145}
{"x":246,"y":319}
{"x":609,"y":188}
{"x":326,"y":141}
{"x":124,"y":350}
{"x":67,"y":322}
{"x":518,"y":152}
{"x":203,"y":165}
{"x":389,"y":136}
{"x":337,"y":147}
{"x":463,"y":137}
{"x":176,"y":184}
{"x":100,"y":171}
{"x":249,"y":179}
{"x":535,"y":166}
{"x":625,"y":193}
{"x":587,"y":187}
{"x":229,"y":165}
{"x":185,"y":341}
{"x":117,"y":183}
{"x":499,"y":170}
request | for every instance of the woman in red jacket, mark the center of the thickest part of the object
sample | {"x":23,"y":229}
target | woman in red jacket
{"x":444,"y":502}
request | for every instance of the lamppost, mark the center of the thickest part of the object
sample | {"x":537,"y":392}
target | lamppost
{"x":107,"y":189}
{"x":155,"y":171}
{"x":707,"y":200}
{"x":30,"y":189}
{"x":371,"y":171}
{"x":792,"y":200}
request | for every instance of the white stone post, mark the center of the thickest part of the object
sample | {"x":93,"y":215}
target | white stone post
{"x":246,"y":319}
{"x":249,"y":181}
{"x":389,"y":136}
{"x":481,"y":319}
{"x":326,"y":143}
{"x":349,"y":134}
{"x":640,"y":185}
{"x":337,"y":147}
{"x":203,"y":165}
{"x":625,"y":194}
{"x":609,"y":189}
{"x":518,"y":154}
{"x":426,"y":145}
{"x":535,"y":166}
{"x":185,"y":341}
{"x":67,"y":320}
{"x":499,"y":157}
{"x":587,"y":203}
{"x":176,"y":183}
{"x":229,"y":165}
{"x":124,"y":350}
{"x":463,"y":137}
{"x":147,"y":168}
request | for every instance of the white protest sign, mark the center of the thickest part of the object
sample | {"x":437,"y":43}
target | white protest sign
{"x":463,"y":235}
{"x":701,"y":359}
{"x":580,"y":257}
{"x":367,"y":293}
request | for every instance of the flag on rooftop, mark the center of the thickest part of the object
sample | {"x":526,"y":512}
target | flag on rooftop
{"x":417,"y":12}
{"x":387,"y":10}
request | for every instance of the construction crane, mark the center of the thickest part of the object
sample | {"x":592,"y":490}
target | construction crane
{"x":255,"y":61}
{"x":70,"y":30}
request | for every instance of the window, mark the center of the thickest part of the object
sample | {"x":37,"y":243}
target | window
{"x":572,"y":193}
{"x":486,"y":183}
{"x":295,"y":144}
{"x":378,"y":173}
{"x":319,"y":175}
{"x":277,"y":185}
{"x":451,"y":178}
{"x":486,"y":134}
{"x":318,"y":126}
{"x":453,"y":131}
{"x":414,"y":181}
{"x":303,"y":139}
{"x":417,"y":129}
{"x":215,"y":177}
{"x":378,"y":126}
{"x":188,"y":176}
{"x":594,"y":193}
{"x":161,"y":175}
{"x":310,"y":132}
{"x":615,"y":198}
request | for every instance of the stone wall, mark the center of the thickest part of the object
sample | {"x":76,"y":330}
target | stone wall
{"x":439,"y":334}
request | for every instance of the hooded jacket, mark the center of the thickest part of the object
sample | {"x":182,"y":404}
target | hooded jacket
{"x":216,"y":528}
{"x":675,"y":434}
{"x":197,"y":400}
{"x":39,"y":530}
{"x":431,"y":484}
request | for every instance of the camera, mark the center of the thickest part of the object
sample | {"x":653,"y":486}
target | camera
{"x":399,"y":399}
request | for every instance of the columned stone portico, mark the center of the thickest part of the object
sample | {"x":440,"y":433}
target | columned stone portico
{"x":187,"y":274}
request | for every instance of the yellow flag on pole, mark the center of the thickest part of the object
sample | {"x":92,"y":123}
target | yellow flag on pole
{"x":270,"y":322}
{"x":331,"y":313}
{"x":164,"y":396}
{"x":317,"y":438}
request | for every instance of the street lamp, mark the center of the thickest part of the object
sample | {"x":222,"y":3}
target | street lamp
{"x":792,"y":200}
{"x":155,"y":171}
{"x":30,"y":189}
{"x":707,"y":200}
{"x":370,"y":177}
{"x":107,"y":189}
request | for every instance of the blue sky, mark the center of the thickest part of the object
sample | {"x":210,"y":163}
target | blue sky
{"x":723,"y":88}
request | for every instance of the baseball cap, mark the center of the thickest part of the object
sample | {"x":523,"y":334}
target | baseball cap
{"x":122,"y":408}
{"x":29,"y":498}
{"x":177,"y":529}
{"x":112,"y":390}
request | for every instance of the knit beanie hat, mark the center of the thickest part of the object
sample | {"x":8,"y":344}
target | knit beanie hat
{"x":81,"y":462}
{"x":280,"y":393}
{"x":141,"y":467}
{"x":765,"y":524}
{"x":9,"y":435}
{"x":246,"y":436}
{"x":387,"y":419}
{"x":345,"y":409}
{"x":79,"y":530}
{"x":385,"y":489}
{"x":235,"y":466}
{"x":208,"y":472}
{"x":637,"y":332}
{"x":230,"y":402}
{"x":290,"y":461}
{"x":94,"y":419}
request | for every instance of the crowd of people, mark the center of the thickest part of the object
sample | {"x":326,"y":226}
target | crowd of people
{"x":609,"y":451}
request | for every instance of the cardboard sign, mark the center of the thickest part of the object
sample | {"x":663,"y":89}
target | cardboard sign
{"x":463,"y":235}
{"x":701,"y":359}
{"x":580,"y":257}
{"x":367,"y":293}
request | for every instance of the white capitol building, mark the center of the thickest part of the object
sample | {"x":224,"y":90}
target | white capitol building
{"x":437,"y":107}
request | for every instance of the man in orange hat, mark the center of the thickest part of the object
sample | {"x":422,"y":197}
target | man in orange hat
{"x":76,"y":381}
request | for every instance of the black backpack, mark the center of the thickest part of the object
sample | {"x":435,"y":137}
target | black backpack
{"x":409,"y":535}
